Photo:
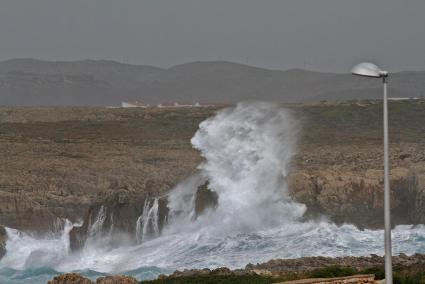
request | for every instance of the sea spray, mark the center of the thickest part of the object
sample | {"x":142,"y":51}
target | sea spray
{"x":147,"y":225}
{"x":25,"y":251}
{"x":247,"y":150}
{"x":97,"y":227}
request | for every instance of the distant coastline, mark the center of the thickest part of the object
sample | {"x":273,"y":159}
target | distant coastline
{"x":31,"y":82}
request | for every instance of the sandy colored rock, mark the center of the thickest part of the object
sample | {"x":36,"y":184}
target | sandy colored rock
{"x":356,"y":197}
{"x":281,"y":266}
{"x":3,"y":238}
{"x":116,"y":280}
{"x":205,"y":199}
{"x":70,"y":278}
{"x":67,"y":162}
{"x":59,"y":162}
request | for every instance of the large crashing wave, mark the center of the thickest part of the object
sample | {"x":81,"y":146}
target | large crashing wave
{"x":247,"y":150}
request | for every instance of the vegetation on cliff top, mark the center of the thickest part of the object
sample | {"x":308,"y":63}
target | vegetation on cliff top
{"x":362,"y":122}
{"x":401,"y":276}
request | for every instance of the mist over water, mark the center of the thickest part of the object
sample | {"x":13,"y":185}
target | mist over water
{"x":247,"y":151}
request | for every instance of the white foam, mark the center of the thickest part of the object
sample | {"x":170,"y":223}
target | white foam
{"x":147,"y":225}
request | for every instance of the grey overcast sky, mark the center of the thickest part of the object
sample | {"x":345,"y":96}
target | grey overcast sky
{"x":323,"y":35}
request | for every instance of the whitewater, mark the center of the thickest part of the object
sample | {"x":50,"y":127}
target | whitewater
{"x":247,"y":150}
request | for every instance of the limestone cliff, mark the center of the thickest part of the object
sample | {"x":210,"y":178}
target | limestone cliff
{"x":345,"y":183}
{"x":3,"y":238}
{"x":347,"y":197}
{"x":69,"y":162}
{"x":63,"y":162}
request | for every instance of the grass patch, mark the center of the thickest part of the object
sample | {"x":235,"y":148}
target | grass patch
{"x":330,"y":124}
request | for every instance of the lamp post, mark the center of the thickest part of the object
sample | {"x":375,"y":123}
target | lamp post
{"x":371,"y":70}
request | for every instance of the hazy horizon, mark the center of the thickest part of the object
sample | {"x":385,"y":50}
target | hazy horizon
{"x":327,"y":36}
{"x":191,"y":62}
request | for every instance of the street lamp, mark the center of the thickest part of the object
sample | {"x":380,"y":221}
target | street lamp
{"x":371,"y":70}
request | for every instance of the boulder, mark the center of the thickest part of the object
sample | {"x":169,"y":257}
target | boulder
{"x":116,"y":280}
{"x":74,"y":278}
{"x":70,"y":278}
{"x":205,"y":198}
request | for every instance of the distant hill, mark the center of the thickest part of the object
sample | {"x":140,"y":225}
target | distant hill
{"x":100,"y":83}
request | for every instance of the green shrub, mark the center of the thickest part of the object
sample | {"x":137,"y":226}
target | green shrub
{"x":379,"y":272}
{"x":416,"y":278}
{"x":399,"y":277}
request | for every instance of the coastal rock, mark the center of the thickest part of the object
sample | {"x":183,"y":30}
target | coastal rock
{"x":357,"y":197}
{"x":116,"y":280}
{"x":66,"y":163}
{"x":301,"y":267}
{"x":115,"y":217}
{"x":3,"y":238}
{"x":280,"y":266}
{"x":121,"y":210}
{"x":416,"y":194}
{"x":220,"y":271}
{"x":205,"y":198}
{"x":74,"y":278}
{"x":60,"y":162}
{"x":70,"y":278}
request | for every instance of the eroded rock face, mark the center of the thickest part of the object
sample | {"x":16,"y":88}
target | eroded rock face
{"x":68,"y":162}
{"x":416,"y":194}
{"x":205,"y":199}
{"x":116,"y":280}
{"x":116,"y":216}
{"x":220,"y":271}
{"x":300,"y":266}
{"x":3,"y":238}
{"x":59,"y":162}
{"x":278,"y":266}
{"x":70,"y":278}
{"x":120,"y":211}
{"x":341,"y":195}
{"x":358,"y":197}
{"x":74,"y":278}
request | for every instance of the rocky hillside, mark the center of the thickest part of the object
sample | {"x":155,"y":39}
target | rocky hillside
{"x":338,"y":170}
{"x":101,"y":83}
{"x":69,"y":162}
{"x":57,"y":162}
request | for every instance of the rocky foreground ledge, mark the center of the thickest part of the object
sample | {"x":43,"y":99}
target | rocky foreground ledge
{"x":74,"y":278}
{"x":305,"y":264}
{"x":279,"y":270}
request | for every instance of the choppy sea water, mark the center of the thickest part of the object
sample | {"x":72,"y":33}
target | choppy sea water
{"x":37,"y":261}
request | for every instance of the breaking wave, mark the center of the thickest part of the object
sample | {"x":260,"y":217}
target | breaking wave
{"x":247,"y":151}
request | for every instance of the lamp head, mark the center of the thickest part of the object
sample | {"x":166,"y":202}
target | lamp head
{"x":367,"y":69}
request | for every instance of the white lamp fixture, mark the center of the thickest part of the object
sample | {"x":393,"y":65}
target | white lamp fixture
{"x":367,"y":69}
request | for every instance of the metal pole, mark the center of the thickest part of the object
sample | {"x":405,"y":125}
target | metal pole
{"x":387,"y":208}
